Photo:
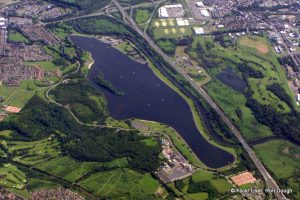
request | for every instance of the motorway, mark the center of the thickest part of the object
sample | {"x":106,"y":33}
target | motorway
{"x":104,"y":11}
{"x":270,"y":182}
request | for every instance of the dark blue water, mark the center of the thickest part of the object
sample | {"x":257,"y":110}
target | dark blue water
{"x":147,"y":97}
{"x":229,"y":78}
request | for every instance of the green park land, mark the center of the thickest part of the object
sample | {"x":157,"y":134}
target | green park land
{"x":38,"y":143}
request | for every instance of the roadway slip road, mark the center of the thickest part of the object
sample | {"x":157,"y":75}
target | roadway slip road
{"x":271,"y":183}
{"x":104,"y":11}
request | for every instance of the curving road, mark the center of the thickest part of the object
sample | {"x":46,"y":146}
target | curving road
{"x":271,"y":183}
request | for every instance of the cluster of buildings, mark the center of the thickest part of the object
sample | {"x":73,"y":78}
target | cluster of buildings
{"x":57,"y":193}
{"x":37,"y":33}
{"x":13,"y":56}
{"x":5,"y":194}
{"x":176,"y":166}
{"x":12,"y":67}
{"x":38,"y":9}
{"x":199,"y":9}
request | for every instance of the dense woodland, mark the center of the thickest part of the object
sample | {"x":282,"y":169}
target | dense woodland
{"x":101,"y":81}
{"x":285,"y":125}
{"x":39,"y":119}
{"x":87,"y":103}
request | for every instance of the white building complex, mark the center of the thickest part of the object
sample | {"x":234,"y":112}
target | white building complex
{"x":171,"y":11}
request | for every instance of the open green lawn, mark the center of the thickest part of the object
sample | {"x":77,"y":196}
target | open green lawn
{"x":258,"y":43}
{"x":14,"y":36}
{"x":19,"y":95}
{"x":142,"y":15}
{"x":279,"y":156}
{"x":221,"y":185}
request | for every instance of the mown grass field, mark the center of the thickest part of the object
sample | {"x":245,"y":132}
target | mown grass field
{"x":168,"y":29}
{"x":14,"y":36}
{"x":258,"y":43}
{"x":19,"y":95}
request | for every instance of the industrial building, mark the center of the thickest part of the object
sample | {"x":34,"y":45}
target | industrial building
{"x":198,"y":30}
{"x":182,"y":22}
{"x":171,"y":11}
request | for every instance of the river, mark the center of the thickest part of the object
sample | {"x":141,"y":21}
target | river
{"x":147,"y":97}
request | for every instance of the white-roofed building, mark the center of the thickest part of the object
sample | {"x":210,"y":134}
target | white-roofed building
{"x":199,"y":4}
{"x":182,"y":22}
{"x":162,"y":12}
{"x":198,"y":30}
{"x":171,"y":11}
{"x":3,"y":22}
{"x":204,"y":13}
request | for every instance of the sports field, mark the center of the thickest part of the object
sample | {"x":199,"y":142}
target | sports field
{"x":167,"y":28}
{"x":255,"y":42}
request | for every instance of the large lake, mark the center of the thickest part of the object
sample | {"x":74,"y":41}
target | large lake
{"x":147,"y":97}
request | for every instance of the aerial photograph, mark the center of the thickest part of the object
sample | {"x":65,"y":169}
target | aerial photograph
{"x":149,"y":99}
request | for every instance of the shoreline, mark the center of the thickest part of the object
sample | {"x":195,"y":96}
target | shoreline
{"x":198,"y":122}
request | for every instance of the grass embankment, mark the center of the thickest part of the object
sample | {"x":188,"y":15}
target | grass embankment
{"x":282,"y":158}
